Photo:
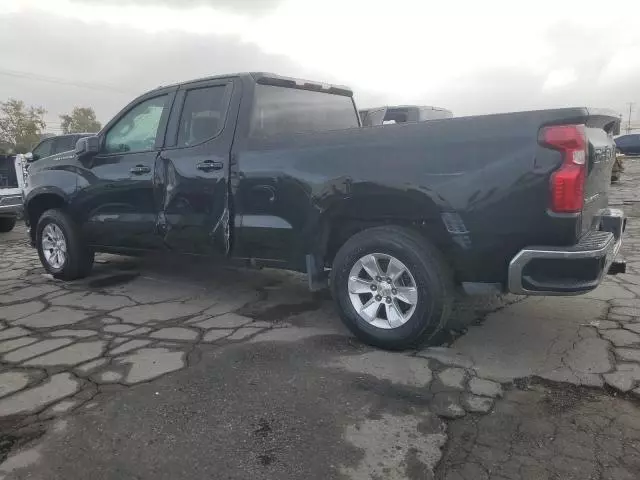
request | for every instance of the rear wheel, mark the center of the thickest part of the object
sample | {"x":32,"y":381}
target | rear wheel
{"x":7,"y":224}
{"x":393,"y":288}
{"x":60,"y":247}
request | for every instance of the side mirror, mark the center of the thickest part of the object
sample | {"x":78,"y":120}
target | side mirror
{"x":30,"y":157}
{"x":88,"y":146}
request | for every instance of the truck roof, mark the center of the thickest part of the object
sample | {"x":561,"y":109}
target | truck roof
{"x":266,"y":78}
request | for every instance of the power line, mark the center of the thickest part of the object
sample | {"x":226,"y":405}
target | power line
{"x":63,"y":81}
{"x":631,"y":104}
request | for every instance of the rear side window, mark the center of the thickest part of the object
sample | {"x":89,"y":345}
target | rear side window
{"x":280,"y":110}
{"x":203,"y":115}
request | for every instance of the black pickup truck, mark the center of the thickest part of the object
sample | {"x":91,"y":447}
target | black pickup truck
{"x":270,"y":171}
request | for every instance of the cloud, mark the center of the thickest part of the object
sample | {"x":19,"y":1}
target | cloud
{"x":472,"y":57}
{"x":78,"y":67}
{"x":247,"y":7}
{"x":560,"y":78}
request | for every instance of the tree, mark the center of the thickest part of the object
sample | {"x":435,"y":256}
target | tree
{"x":20,"y":126}
{"x":81,"y":120}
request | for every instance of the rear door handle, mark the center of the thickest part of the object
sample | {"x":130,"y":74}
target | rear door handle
{"x":140,"y":170}
{"x":209,"y":165}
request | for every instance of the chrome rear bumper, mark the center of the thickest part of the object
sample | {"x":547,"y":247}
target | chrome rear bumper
{"x":568,"y":270}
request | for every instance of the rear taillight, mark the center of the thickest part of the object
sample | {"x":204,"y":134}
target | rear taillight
{"x":567,"y":183}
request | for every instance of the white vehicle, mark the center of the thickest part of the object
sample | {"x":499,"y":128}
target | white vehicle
{"x":402,"y":114}
{"x":12,"y":179}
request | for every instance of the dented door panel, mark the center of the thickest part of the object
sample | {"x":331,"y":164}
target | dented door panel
{"x":191,"y":205}
{"x":191,"y":174}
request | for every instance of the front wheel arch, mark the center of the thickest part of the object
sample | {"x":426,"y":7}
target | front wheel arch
{"x":37,"y":204}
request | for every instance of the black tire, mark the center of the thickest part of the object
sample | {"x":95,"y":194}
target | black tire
{"x":433,"y":278}
{"x":7,"y":224}
{"x":79,"y":258}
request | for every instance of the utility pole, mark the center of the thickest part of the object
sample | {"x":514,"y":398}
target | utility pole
{"x":631,"y":104}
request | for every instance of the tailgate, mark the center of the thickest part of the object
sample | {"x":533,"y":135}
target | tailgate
{"x":8,"y":174}
{"x":599,"y":129}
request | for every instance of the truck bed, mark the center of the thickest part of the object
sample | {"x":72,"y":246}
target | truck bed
{"x":479,"y":184}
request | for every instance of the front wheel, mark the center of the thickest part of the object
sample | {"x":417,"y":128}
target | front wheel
{"x":60,"y":247}
{"x":393,"y":288}
{"x":7,"y":224}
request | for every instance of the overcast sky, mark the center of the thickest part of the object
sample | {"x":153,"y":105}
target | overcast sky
{"x":466,"y":55}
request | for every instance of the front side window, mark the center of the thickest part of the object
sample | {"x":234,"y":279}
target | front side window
{"x":43,"y":150}
{"x":202,"y":116}
{"x":279,"y":110}
{"x":136,"y":131}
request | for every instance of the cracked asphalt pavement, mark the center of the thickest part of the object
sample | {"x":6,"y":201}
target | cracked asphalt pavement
{"x":166,"y":369}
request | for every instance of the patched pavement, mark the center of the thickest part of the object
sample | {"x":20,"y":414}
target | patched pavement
{"x":167,"y":369}
{"x":547,"y":431}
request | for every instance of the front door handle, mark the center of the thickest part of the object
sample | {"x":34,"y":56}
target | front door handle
{"x":140,"y":170}
{"x":209,"y":165}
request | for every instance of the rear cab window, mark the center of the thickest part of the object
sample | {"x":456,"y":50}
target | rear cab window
{"x":284,"y":110}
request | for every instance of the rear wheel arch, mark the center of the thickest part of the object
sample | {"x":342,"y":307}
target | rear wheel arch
{"x":351,"y":217}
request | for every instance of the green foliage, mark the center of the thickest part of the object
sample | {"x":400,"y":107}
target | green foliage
{"x":81,"y":120}
{"x":20,"y":126}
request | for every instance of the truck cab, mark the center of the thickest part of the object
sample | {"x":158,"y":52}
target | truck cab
{"x":163,"y":174}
